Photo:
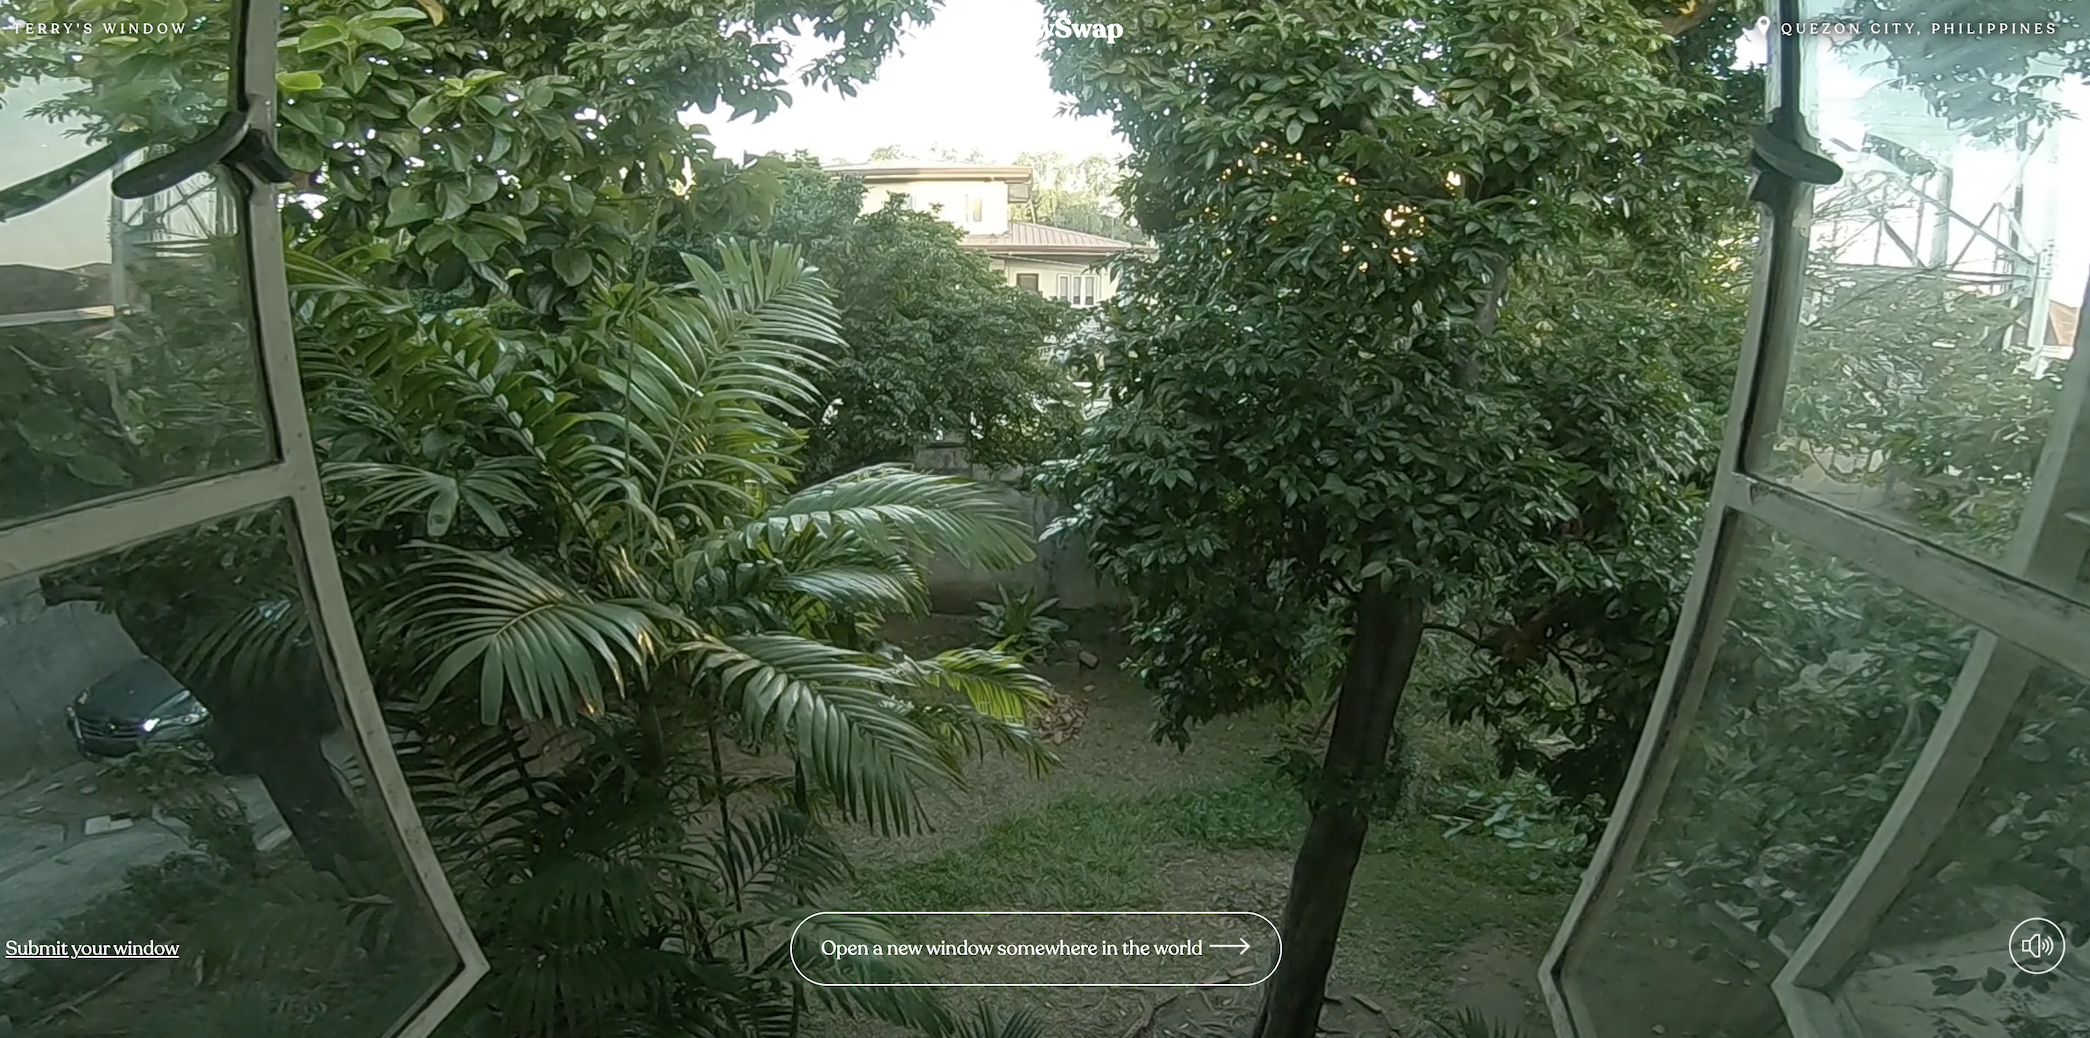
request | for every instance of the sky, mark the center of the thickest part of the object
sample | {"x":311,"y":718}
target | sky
{"x":971,"y":79}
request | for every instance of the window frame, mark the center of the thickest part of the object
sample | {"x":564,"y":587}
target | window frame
{"x":1032,"y":287}
{"x":76,"y":534}
{"x":2039,"y":620}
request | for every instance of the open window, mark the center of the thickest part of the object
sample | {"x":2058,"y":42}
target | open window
{"x":1862,"y":801}
{"x":202,"y":821}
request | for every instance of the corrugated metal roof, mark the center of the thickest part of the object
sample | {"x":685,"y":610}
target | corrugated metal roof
{"x":1038,"y":238}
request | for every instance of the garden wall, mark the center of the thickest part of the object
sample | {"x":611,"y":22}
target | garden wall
{"x":1060,"y":571}
{"x":47,"y":656}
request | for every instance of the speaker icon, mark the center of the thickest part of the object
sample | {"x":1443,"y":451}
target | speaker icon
{"x":2037,"y":945}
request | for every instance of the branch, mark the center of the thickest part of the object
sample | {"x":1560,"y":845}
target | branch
{"x":1560,"y":659}
{"x":1448,"y":629}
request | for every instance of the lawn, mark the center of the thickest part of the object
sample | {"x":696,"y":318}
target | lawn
{"x":1436,"y":923}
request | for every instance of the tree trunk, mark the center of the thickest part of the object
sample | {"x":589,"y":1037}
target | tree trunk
{"x":1382,"y":653}
{"x":284,"y":752}
{"x":275,"y":731}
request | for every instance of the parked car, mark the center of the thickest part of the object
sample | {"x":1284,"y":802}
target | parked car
{"x":137,"y":706}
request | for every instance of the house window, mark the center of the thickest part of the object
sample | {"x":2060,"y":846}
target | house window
{"x":1027,"y":282}
{"x":1076,"y":289}
{"x":975,"y":208}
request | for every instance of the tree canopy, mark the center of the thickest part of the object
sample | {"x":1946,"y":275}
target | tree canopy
{"x":933,"y":342}
{"x":1318,"y":391}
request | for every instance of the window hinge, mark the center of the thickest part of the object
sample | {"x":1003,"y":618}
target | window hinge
{"x":235,"y":141}
{"x":1783,"y":163}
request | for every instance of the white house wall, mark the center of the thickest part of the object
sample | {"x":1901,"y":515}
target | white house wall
{"x":951,"y":200}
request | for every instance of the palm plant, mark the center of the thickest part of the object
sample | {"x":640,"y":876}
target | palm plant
{"x":1021,"y":623}
{"x":597,"y":527}
{"x":594,"y":529}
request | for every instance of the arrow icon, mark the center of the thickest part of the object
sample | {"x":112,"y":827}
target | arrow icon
{"x":1241,"y":948}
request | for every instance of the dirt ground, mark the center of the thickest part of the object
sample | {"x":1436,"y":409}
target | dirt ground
{"x":1432,"y":928}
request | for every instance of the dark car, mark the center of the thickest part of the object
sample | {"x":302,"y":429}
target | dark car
{"x":138,"y":705}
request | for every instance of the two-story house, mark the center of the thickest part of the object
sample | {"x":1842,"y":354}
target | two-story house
{"x":979,"y":199}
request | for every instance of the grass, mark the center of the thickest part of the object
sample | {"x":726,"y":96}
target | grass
{"x":1418,"y":897}
{"x":1436,"y":923}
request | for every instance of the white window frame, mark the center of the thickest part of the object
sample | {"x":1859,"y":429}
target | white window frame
{"x":96,"y":529}
{"x":2013,"y":596}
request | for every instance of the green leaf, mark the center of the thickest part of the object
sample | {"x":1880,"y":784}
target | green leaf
{"x":298,"y":82}
{"x":442,"y":509}
{"x":406,"y":207}
{"x":454,"y":202}
{"x":100,"y":471}
{"x":424,"y":111}
{"x":572,"y":265}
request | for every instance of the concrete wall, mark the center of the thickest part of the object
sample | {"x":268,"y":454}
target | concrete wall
{"x":1061,"y":569}
{"x":47,"y":656}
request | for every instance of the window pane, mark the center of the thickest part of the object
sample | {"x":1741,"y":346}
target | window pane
{"x":1824,"y":688}
{"x":126,"y":352}
{"x":2013,"y":851}
{"x":186,"y":780}
{"x":1947,"y":272}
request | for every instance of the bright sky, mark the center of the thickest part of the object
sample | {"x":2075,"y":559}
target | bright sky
{"x":972,"y":79}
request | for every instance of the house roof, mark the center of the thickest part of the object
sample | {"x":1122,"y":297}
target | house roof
{"x":2061,"y":322}
{"x":888,"y":172}
{"x":1036,"y":239}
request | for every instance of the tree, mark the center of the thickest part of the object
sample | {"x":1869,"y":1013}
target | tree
{"x":933,"y":340}
{"x":1314,"y":398}
{"x":506,"y":149}
{"x":1077,"y":195}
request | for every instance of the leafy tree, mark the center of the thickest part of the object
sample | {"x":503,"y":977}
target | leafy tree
{"x":1314,"y":396}
{"x":1077,"y":195}
{"x":507,"y":149}
{"x":933,"y":340}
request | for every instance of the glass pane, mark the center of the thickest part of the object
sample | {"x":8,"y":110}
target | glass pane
{"x":126,"y":352}
{"x":1822,"y":693}
{"x":180,"y":787}
{"x":2015,"y":850}
{"x":1947,"y":271}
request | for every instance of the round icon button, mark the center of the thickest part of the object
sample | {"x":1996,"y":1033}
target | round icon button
{"x":2036,"y":946}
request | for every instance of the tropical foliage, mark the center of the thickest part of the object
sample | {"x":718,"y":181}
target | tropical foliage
{"x":629,"y":661}
{"x":935,"y":344}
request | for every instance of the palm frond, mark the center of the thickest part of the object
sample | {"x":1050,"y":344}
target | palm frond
{"x":911,"y":1007}
{"x":376,"y":491}
{"x":995,"y":683}
{"x":961,"y":732}
{"x":895,"y":509}
{"x":250,"y":644}
{"x":831,"y":707}
{"x":534,"y":640}
{"x":774,"y":859}
{"x":1472,"y":1023}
